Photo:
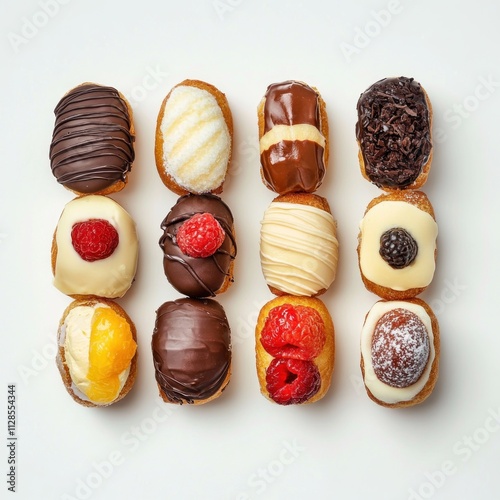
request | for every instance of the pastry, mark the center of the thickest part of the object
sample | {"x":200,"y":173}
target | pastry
{"x":199,"y":246}
{"x":400,"y":352}
{"x":94,"y":248}
{"x":298,"y":245}
{"x":97,"y":351}
{"x":293,"y":134}
{"x":194,"y":135}
{"x":191,"y":350}
{"x":397,"y":245}
{"x":394,"y":134}
{"x":92,"y":144}
{"x":295,"y":350}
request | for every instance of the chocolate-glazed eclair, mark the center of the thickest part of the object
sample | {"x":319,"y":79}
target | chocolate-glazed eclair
{"x":191,"y":350}
{"x":92,"y":143}
{"x":394,"y":134}
{"x":199,"y":245}
{"x":293,"y":134}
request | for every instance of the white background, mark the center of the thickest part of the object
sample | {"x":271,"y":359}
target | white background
{"x":241,"y":446}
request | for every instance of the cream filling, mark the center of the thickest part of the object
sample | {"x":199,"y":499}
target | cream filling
{"x":110,"y":277}
{"x":75,"y":337}
{"x":298,"y":248}
{"x":422,"y":227}
{"x":380,"y":390}
{"x":300,"y":132}
{"x":196,"y":139}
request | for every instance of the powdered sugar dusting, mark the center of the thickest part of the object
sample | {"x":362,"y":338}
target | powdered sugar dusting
{"x":400,"y":348}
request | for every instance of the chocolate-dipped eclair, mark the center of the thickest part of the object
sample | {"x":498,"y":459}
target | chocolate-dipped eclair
{"x":394,"y":133}
{"x":191,"y":350}
{"x":293,"y":133}
{"x":199,"y":267}
{"x":92,"y":143}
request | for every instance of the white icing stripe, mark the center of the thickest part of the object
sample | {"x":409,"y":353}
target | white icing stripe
{"x":110,"y":277}
{"x":380,"y":390}
{"x":298,"y":248}
{"x":197,"y":142}
{"x":299,"y":132}
{"x":422,"y":227}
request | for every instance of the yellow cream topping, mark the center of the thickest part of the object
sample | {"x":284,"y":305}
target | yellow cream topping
{"x":98,"y":348}
{"x":422,"y":227}
{"x":298,"y":248}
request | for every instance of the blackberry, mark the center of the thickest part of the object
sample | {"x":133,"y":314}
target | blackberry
{"x":398,"y":248}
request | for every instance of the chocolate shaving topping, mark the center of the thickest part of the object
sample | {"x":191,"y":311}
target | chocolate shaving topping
{"x":393,"y":130}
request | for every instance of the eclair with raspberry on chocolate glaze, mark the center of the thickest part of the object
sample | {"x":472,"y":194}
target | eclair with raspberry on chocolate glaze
{"x":199,"y":245}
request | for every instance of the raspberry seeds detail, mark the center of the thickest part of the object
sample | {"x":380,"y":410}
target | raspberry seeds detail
{"x":292,"y":381}
{"x":200,"y":236}
{"x":94,"y":239}
{"x":296,"y":332}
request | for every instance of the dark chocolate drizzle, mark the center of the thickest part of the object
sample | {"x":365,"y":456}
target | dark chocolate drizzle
{"x":197,"y":277}
{"x":291,"y":166}
{"x":92,"y":146}
{"x":393,"y":130}
{"x":191,"y":346}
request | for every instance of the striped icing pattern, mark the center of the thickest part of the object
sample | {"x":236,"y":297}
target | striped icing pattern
{"x":196,"y":139}
{"x":298,"y":248}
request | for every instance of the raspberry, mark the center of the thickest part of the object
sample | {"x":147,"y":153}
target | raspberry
{"x":94,"y":239}
{"x":200,"y":236}
{"x":296,"y":332}
{"x":292,"y":381}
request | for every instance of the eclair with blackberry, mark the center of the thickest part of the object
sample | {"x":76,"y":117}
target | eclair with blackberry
{"x":397,"y":245}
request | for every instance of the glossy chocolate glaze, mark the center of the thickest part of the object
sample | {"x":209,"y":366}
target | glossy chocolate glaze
{"x":291,"y":166}
{"x":393,"y":130}
{"x":191,"y":349}
{"x":197,"y":277}
{"x":92,"y":147}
